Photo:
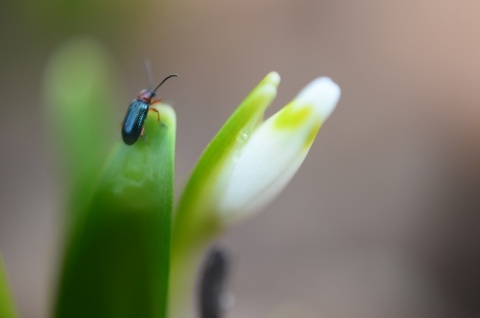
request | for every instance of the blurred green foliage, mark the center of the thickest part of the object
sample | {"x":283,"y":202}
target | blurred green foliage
{"x":79,"y":93}
{"x":57,"y":20}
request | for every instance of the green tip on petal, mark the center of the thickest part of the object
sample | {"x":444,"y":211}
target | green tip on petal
{"x":322,"y":94}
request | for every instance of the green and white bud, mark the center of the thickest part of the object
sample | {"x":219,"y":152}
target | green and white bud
{"x":244,"y":168}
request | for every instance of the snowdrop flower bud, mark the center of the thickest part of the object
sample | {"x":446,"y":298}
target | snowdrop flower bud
{"x":269,"y":157}
{"x":250,"y":161}
{"x":246,"y":165}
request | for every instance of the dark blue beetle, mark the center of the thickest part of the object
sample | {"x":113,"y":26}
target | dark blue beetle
{"x":133,"y":124}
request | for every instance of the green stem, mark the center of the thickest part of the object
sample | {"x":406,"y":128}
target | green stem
{"x":184,"y":266}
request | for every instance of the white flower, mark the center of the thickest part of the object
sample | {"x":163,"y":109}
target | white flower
{"x":250,"y":161}
{"x":271,"y":154}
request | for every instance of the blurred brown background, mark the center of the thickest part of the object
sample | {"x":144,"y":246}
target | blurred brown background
{"x":383,"y":218}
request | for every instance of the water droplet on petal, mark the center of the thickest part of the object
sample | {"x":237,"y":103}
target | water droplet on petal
{"x":242,"y":136}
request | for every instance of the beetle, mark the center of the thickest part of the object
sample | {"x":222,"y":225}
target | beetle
{"x":133,"y":124}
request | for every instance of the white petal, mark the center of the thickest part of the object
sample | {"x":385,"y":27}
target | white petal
{"x":323,"y":94}
{"x":264,"y":161}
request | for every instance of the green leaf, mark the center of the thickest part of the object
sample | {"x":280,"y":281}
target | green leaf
{"x":7,"y":308}
{"x":117,"y":258}
{"x":79,"y":102}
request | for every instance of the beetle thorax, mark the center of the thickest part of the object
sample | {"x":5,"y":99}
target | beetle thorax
{"x":146,"y":95}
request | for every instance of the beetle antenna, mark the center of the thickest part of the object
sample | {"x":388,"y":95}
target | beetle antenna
{"x":166,"y":78}
{"x":148,"y":71}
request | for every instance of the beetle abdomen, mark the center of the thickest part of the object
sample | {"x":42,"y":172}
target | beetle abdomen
{"x":134,"y":120}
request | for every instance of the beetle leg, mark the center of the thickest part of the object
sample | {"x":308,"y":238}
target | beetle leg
{"x":142,"y":132}
{"x":155,"y":110}
{"x":158,"y":100}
